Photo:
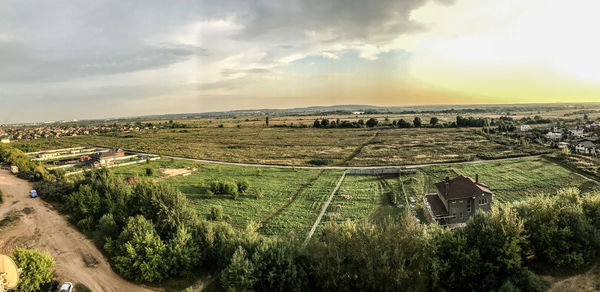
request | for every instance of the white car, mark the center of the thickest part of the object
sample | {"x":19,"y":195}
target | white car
{"x":66,"y":287}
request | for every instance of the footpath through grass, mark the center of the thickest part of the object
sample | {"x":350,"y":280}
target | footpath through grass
{"x":300,"y":215}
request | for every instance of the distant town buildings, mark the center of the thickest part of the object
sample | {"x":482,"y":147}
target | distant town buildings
{"x":525,"y":128}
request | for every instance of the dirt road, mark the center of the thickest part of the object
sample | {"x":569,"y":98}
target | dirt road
{"x":40,"y":226}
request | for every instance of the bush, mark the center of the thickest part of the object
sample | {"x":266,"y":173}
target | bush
{"x":37,"y":268}
{"x":224,"y":187}
{"x":229,"y":188}
{"x":243,"y":186}
{"x":259,"y":194}
{"x":149,"y":171}
{"x":319,"y":162}
{"x":216,"y":213}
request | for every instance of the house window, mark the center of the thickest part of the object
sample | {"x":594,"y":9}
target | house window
{"x":459,"y":215}
{"x":483,"y":201}
{"x":453,"y":202}
{"x":460,"y":201}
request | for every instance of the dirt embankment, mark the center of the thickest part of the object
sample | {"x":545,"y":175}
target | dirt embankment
{"x":33,"y":223}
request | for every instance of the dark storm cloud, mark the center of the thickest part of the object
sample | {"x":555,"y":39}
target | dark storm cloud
{"x":46,"y":47}
{"x":344,"y":20}
{"x":62,"y":40}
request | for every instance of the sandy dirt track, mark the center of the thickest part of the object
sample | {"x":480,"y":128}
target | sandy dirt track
{"x":40,"y":226}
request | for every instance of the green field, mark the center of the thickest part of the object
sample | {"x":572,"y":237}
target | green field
{"x":307,"y":146}
{"x":301,"y":214}
{"x":510,"y":180}
{"x":277,"y":185}
{"x":293,"y":198}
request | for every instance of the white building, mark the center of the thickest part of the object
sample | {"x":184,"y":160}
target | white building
{"x":554,"y":135}
{"x":553,"y":128}
{"x":576,"y":132}
{"x":562,"y":145}
{"x":586,"y":147}
{"x":525,"y":128}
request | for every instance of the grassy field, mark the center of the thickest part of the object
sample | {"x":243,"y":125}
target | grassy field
{"x":305,"y":147}
{"x":277,"y":185}
{"x":366,"y":197}
{"x":293,"y":198}
{"x":415,"y":146}
{"x":510,"y":180}
{"x":301,"y":214}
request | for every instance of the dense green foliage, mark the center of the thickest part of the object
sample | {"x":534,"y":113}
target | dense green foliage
{"x":37,"y":268}
{"x":27,"y":169}
{"x":563,"y":230}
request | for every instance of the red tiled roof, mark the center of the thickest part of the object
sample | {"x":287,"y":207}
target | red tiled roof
{"x":436,"y":205}
{"x":461,"y":187}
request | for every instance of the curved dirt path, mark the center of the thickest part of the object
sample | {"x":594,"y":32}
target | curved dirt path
{"x":40,"y":226}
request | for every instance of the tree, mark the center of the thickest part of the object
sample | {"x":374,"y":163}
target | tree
{"x":558,"y":230}
{"x":434,"y":121}
{"x":361,"y":122}
{"x":417,"y":122}
{"x":325,"y":123}
{"x":316,"y":124}
{"x":239,"y":274}
{"x":149,"y":171}
{"x":139,"y":253}
{"x":403,"y":124}
{"x":37,"y":268}
{"x":181,"y":252}
{"x":107,"y":227}
{"x":267,"y":121}
{"x":488,"y":249}
{"x":372,"y":122}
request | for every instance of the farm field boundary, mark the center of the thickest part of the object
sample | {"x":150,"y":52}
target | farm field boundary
{"x":314,"y":227}
{"x":268,"y":217}
{"x":407,"y":166}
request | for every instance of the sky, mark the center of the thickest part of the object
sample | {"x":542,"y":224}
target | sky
{"x":62,"y":60}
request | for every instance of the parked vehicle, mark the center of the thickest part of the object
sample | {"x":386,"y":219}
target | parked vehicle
{"x":66,"y":287}
{"x":33,"y":193}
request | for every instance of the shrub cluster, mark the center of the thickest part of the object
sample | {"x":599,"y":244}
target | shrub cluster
{"x":28,"y":169}
{"x":228,"y":187}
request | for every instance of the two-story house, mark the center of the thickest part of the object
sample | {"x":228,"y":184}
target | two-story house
{"x":457,"y":199}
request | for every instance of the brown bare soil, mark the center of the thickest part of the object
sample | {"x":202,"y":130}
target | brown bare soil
{"x":588,"y":281}
{"x":34,"y":223}
{"x":171,"y":172}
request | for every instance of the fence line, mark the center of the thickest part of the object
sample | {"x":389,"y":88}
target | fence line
{"x":312,"y":230}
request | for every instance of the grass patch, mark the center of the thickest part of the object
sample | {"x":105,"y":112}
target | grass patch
{"x":510,"y":180}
